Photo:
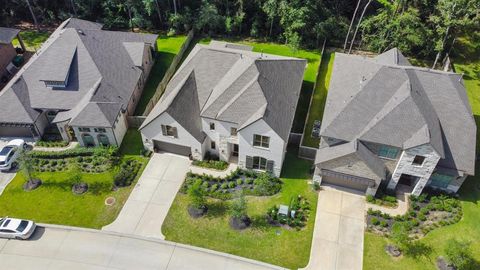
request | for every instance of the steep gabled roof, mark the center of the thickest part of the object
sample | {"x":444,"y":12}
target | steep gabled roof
{"x":238,"y":86}
{"x":356,"y":148}
{"x":87,"y":58}
{"x":391,"y":103}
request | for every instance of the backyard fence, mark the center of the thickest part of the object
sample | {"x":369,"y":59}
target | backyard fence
{"x":135,"y":121}
{"x":168,"y":74}
{"x":307,"y":152}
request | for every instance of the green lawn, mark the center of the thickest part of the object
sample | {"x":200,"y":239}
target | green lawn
{"x":54,"y":202}
{"x":467,"y":60}
{"x":319,"y":98}
{"x":32,"y":39}
{"x":290,"y":248}
{"x":313,"y":58}
{"x":167,"y":48}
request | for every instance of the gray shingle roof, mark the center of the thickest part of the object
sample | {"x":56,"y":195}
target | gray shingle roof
{"x":99,"y":70}
{"x":97,"y":114}
{"x":237,"y":86}
{"x":8,"y":34}
{"x":356,"y":148}
{"x":391,"y":103}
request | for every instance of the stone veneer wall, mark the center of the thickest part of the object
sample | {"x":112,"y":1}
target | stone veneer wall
{"x":424,"y":171}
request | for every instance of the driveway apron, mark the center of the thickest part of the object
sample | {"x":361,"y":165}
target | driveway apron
{"x":338,"y":235}
{"x":146,"y":208}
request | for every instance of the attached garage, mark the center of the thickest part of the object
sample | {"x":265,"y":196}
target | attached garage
{"x":347,"y":181}
{"x":172,"y":148}
{"x":15,"y":131}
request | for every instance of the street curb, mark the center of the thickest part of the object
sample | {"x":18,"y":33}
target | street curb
{"x":157,"y":240}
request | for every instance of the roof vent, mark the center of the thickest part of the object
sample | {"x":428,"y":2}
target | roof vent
{"x":363,"y":79}
{"x":80,"y":32}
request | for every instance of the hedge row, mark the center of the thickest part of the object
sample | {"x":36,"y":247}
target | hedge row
{"x":76,"y":152}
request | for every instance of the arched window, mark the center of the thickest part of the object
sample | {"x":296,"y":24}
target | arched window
{"x":88,"y":140}
{"x":103,"y":140}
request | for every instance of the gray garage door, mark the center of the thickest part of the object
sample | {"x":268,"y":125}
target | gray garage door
{"x":347,"y":181}
{"x":172,"y":148}
{"x":15,"y":132}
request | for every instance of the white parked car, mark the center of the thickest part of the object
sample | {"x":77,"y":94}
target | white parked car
{"x":16,"y":228}
{"x":9,"y":153}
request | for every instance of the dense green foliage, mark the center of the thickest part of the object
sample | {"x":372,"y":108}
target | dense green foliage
{"x":419,"y":28}
{"x":211,"y":164}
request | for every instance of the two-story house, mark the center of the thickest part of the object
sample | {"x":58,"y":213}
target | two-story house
{"x":230,"y":102}
{"x":80,"y":85}
{"x":388,"y":121}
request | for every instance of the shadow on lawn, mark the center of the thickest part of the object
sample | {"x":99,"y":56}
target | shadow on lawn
{"x":217,"y":209}
{"x":162,"y":63}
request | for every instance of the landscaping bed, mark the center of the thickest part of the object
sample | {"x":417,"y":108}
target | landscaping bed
{"x":90,"y":160}
{"x":218,"y":165}
{"x":49,"y":144}
{"x":426,"y":213}
{"x":250,"y":182}
{"x":296,"y":217}
{"x":383,"y":200}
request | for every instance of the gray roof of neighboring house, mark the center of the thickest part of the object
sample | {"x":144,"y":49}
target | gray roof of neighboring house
{"x":356,"y":148}
{"x":8,"y":34}
{"x":386,"y":101}
{"x":237,"y":86}
{"x":98,"y":66}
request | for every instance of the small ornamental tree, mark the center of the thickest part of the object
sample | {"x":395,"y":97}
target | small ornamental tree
{"x":238,"y":211}
{"x":197,"y":196}
{"x":459,"y":255}
{"x":25,"y":162}
{"x":400,"y":235}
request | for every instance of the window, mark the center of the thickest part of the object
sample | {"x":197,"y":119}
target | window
{"x":212,"y":126}
{"x":418,"y":160}
{"x":259,"y":163}
{"x":440,"y":180}
{"x":83,"y":129}
{"x":233,"y":131}
{"x":100,"y":130}
{"x":103,"y":140}
{"x":261,"y":141}
{"x":388,"y":152}
{"x":88,"y":140}
{"x":212,"y":145}
{"x":169,"y":131}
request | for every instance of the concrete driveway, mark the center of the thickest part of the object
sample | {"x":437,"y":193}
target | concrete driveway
{"x":338,"y":233}
{"x":146,"y":208}
{"x":58,"y":247}
{"x":5,"y":177}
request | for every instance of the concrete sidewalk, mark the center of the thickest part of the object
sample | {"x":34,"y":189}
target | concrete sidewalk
{"x":59,"y":247}
{"x":146,"y":208}
{"x":338,"y":233}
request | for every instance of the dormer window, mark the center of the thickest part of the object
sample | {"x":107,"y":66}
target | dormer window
{"x":57,"y":68}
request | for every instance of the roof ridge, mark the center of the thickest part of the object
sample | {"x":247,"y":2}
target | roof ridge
{"x":399,"y":97}
{"x":231,"y":76}
{"x":237,"y":95}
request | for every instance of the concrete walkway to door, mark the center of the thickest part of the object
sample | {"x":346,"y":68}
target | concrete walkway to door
{"x":338,"y":234}
{"x":146,"y":208}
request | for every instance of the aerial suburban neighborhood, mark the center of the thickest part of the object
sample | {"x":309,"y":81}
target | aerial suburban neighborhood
{"x":239,"y":134}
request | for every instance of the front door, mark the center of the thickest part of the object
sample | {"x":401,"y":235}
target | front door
{"x":235,"y":150}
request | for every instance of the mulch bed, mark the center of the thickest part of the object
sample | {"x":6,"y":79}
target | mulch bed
{"x":32,"y":184}
{"x":80,"y":188}
{"x":240,"y":223}
{"x":197,"y":212}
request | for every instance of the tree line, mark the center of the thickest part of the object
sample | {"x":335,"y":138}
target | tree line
{"x":421,"y":28}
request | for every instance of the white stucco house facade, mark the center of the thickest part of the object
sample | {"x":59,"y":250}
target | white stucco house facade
{"x":230,"y":102}
{"x":389,"y":123}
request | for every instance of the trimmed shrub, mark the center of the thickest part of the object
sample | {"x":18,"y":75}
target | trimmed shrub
{"x":375,"y":221}
{"x":231,"y":184}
